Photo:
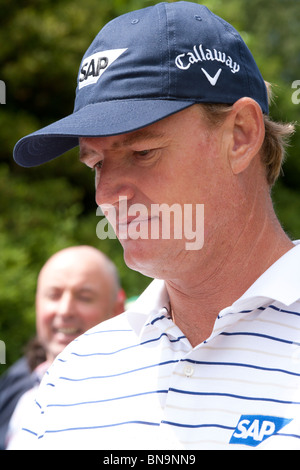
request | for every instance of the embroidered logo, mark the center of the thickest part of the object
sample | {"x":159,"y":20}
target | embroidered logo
{"x":212,"y":80}
{"x":252,"y":430}
{"x":95,"y":65}
{"x":199,"y":54}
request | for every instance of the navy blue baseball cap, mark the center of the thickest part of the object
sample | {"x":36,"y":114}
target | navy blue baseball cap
{"x":144,"y":66}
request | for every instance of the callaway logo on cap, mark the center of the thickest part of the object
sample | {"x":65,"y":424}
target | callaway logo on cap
{"x":144,"y":66}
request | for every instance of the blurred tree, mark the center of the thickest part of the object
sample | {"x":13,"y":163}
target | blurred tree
{"x":47,"y":208}
{"x":36,"y":221}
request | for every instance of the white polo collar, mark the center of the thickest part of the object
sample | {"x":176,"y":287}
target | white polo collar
{"x":281,"y":282}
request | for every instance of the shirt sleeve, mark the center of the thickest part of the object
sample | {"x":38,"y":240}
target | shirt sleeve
{"x":29,"y":429}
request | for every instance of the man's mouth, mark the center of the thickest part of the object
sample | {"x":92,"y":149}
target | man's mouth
{"x":68,"y":331}
{"x":135,"y":228}
{"x":133,"y":220}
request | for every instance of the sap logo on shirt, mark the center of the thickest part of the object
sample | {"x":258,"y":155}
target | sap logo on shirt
{"x":252,"y":430}
{"x":95,"y":65}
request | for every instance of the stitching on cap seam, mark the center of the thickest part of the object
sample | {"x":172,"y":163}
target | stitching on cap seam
{"x":241,"y":56}
{"x":168,"y":46}
{"x":161,"y":52}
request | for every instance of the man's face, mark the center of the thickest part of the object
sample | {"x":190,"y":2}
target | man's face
{"x":74,"y":294}
{"x":177,"y":160}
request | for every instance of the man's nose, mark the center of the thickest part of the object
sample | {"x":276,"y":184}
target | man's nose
{"x":65,"y":306}
{"x":111,"y":185}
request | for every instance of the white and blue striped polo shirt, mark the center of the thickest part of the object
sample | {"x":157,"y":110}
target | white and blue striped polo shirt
{"x":135,"y":382}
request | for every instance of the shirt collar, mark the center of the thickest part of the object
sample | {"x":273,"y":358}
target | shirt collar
{"x":148,"y":305}
{"x":280,"y":282}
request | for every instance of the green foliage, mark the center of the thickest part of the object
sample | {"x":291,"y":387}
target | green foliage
{"x":34,"y":224}
{"x":38,"y":218}
{"x":50,"y":207}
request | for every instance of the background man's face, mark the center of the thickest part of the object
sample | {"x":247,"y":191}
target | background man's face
{"x":74,"y":294}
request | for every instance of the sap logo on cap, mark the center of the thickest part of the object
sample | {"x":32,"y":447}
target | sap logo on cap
{"x":95,"y":65}
{"x":252,"y":430}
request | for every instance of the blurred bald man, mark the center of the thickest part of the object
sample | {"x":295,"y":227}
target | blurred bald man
{"x":77,"y":288}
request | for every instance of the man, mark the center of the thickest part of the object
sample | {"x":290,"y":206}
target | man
{"x":78,"y":287}
{"x":172,"y":109}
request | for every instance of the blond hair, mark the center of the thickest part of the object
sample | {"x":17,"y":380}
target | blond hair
{"x":277,"y":135}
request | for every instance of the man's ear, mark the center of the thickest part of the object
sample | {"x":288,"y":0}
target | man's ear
{"x":119,"y":306}
{"x":248,"y":132}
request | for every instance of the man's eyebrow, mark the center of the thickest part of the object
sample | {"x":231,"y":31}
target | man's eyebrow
{"x":128,"y":140}
{"x":136,"y":137}
{"x":87,"y":289}
{"x":86,"y":152}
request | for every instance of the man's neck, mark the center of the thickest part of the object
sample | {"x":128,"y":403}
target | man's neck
{"x":196,"y":300}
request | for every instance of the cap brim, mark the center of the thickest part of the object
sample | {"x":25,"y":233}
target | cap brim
{"x":96,"y":120}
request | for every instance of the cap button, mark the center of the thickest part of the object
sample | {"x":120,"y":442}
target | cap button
{"x":135,"y":21}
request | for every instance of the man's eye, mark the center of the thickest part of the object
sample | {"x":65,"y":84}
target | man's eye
{"x":98,"y":166}
{"x":142,"y":154}
{"x":85,"y":299}
{"x":53,"y":295}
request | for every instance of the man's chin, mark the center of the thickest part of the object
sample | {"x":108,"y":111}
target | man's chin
{"x":138,"y":254}
{"x":148,"y":257}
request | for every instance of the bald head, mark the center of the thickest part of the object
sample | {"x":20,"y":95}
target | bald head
{"x":83,"y":260}
{"x":77,"y":288}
